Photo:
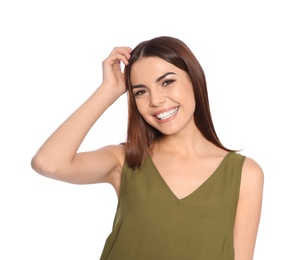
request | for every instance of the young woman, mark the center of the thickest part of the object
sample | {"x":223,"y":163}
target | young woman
{"x":182,"y":195}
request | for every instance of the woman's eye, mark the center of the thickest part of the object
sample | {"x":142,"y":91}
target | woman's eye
{"x":167,"y":82}
{"x":139,"y":93}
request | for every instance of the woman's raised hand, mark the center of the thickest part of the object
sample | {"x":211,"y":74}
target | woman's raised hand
{"x":113,"y":77}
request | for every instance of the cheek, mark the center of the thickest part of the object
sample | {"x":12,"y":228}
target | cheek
{"x":140,"y":107}
{"x":143,"y":111}
{"x":192,"y":101}
{"x":188,"y":98}
{"x":190,"y":94}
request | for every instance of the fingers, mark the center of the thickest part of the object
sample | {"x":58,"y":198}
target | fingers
{"x":120,"y":54}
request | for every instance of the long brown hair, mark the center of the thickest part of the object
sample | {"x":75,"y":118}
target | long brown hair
{"x":140,"y":135}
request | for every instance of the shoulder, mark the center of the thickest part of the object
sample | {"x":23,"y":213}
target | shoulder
{"x":116,"y":152}
{"x":249,"y":209}
{"x":252,"y":176}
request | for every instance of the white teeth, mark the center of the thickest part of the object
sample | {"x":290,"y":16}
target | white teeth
{"x":167,"y":114}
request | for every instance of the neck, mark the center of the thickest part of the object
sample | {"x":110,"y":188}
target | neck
{"x":189,"y":142}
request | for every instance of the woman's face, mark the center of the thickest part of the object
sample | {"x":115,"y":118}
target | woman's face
{"x":164,"y":95}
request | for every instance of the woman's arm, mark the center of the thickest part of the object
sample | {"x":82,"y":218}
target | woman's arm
{"x":57,"y":158}
{"x":249,"y":210}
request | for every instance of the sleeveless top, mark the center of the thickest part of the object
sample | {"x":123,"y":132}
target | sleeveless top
{"x":151,"y":223}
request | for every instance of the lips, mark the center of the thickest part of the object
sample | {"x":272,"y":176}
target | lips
{"x":167,"y":114}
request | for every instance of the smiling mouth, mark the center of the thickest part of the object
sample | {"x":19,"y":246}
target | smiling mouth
{"x":167,"y":114}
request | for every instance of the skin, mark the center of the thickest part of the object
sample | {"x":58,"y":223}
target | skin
{"x":162,"y":87}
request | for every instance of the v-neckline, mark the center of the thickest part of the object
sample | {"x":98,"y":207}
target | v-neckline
{"x":203,"y":184}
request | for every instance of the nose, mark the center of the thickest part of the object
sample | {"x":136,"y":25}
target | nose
{"x":157,"y":98}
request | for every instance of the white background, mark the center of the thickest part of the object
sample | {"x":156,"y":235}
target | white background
{"x":50,"y":62}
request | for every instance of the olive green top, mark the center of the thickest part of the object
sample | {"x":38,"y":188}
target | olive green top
{"x":151,"y":223}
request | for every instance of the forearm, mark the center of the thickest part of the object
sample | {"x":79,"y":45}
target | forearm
{"x":61,"y":147}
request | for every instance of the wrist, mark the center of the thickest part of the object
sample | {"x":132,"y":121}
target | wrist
{"x":108,"y":93}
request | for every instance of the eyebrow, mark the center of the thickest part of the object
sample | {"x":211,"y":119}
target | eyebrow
{"x":157,"y":80}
